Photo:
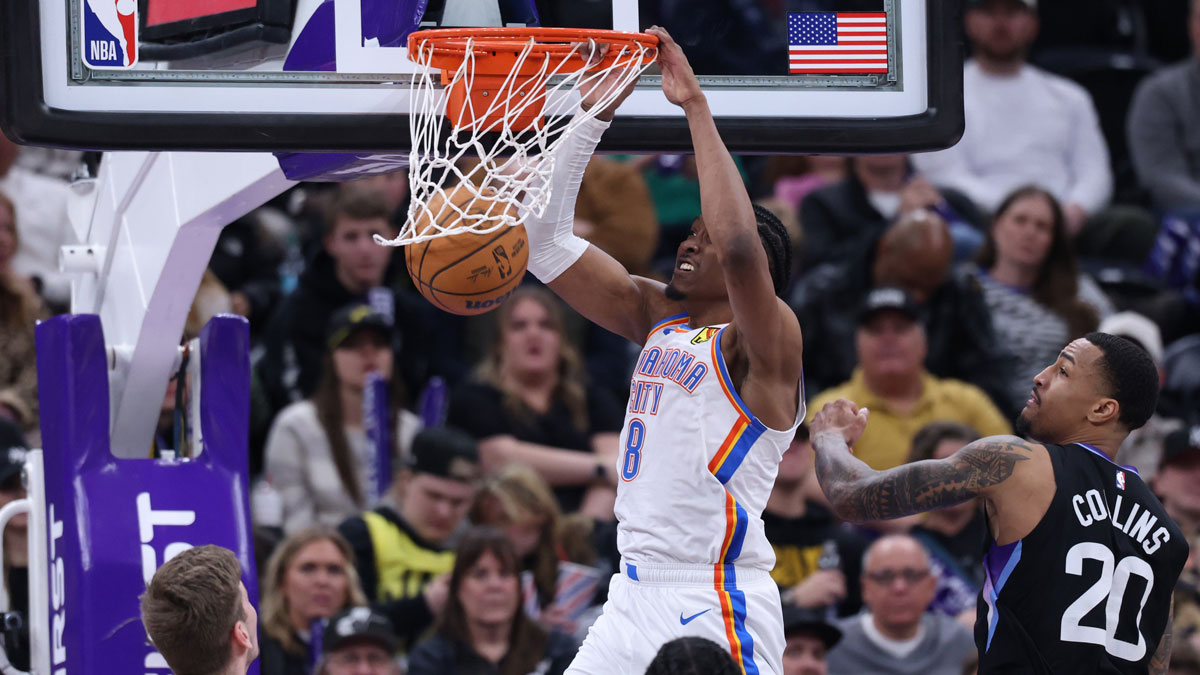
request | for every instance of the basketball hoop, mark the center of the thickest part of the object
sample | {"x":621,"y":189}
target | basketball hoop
{"x":506,"y":95}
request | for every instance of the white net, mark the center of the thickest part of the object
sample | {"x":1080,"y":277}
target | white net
{"x":515,"y":160}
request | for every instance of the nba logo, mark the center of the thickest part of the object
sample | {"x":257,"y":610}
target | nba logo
{"x":1120,"y":480}
{"x":110,"y":33}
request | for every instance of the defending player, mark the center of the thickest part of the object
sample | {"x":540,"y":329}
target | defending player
{"x":714,"y":401}
{"x":1084,"y":558}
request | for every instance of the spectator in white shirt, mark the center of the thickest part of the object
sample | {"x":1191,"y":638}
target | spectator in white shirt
{"x":1023,"y":124}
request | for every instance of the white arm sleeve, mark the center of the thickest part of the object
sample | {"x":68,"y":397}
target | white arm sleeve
{"x":553,"y":246}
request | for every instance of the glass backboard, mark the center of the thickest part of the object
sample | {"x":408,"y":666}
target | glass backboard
{"x":782,"y":76}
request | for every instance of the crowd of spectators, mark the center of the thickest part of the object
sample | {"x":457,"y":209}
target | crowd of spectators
{"x":930,"y":288}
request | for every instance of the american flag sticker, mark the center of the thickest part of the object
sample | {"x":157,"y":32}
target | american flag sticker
{"x":1120,"y":480}
{"x":822,"y":43}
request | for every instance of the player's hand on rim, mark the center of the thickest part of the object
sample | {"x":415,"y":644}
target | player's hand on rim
{"x":840,"y":417}
{"x":595,"y":88}
{"x":679,"y":82}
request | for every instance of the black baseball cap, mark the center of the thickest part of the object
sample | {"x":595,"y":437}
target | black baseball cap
{"x":357,"y":625}
{"x":13,"y":449}
{"x":355,"y":317}
{"x":445,"y":452}
{"x":804,"y":620}
{"x":888,"y":299}
{"x":1179,"y":444}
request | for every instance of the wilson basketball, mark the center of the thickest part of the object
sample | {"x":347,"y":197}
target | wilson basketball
{"x":467,"y":273}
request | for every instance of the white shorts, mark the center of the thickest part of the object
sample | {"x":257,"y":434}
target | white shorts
{"x":649,"y":605}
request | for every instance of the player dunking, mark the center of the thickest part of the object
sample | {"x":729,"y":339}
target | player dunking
{"x":714,"y":401}
{"x":1084,"y":558}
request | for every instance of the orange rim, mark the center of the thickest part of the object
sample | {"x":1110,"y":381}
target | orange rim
{"x":501,"y":46}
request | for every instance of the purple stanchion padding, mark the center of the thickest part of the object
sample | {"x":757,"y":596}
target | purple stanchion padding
{"x":379,"y":435}
{"x":113,"y":522}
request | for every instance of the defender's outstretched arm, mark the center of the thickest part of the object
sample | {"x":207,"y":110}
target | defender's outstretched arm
{"x":859,"y":493}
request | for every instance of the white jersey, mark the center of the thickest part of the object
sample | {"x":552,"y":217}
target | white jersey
{"x":696,"y":465}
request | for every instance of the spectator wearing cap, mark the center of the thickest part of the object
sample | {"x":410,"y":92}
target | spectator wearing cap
{"x":817,"y":561}
{"x":914,"y":254}
{"x":484,"y":631}
{"x":529,"y":402}
{"x":309,"y":578}
{"x":1024,"y":125}
{"x":1164,"y":129}
{"x":317,"y":452}
{"x":13,"y":450}
{"x":809,"y":639}
{"x":350,"y":268}
{"x":402,"y":548}
{"x":358,"y":641}
{"x":1143,"y":447}
{"x":893,"y":384}
{"x":1037,"y":298}
{"x":897,"y":634}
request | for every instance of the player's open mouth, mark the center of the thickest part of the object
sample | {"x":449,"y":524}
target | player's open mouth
{"x":685,"y":266}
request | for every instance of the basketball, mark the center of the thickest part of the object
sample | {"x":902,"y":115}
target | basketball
{"x":467,"y":273}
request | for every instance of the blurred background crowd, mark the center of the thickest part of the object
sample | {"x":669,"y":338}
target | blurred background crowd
{"x":931,"y":289}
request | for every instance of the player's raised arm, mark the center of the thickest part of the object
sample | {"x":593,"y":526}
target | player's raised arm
{"x":588,"y":279}
{"x":859,"y":493}
{"x":768,"y":328}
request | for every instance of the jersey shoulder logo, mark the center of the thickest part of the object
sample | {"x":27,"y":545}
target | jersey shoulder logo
{"x":1120,"y":480}
{"x":705,"y":335}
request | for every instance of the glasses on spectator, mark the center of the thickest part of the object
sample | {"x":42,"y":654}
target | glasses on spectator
{"x":353,"y":658}
{"x":888,"y":577}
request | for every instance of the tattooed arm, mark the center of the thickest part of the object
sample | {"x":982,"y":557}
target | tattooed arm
{"x":1161,"y":661}
{"x":858,"y":493}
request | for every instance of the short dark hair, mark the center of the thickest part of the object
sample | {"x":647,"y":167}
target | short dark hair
{"x":692,"y":656}
{"x":190,"y":607}
{"x":778,"y":245}
{"x":1131,"y":376}
{"x":357,"y":203}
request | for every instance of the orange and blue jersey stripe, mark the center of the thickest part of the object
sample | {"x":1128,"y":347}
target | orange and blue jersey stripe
{"x":745,"y":431}
{"x":668,"y":323}
{"x":733,"y":601}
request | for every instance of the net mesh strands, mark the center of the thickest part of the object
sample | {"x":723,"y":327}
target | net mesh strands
{"x":509,"y":98}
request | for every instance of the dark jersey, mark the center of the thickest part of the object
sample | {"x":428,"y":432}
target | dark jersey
{"x":1088,"y":590}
